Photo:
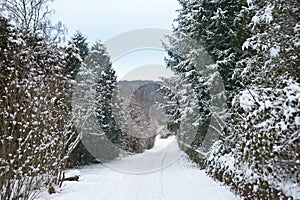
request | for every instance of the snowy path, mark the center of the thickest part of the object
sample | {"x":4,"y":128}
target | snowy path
{"x":161,"y":173}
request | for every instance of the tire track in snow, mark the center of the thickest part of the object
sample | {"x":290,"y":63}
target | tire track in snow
{"x":170,"y":181}
{"x":161,"y":173}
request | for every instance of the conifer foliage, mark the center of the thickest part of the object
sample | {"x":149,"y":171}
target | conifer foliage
{"x":265,"y":120}
{"x":76,"y":51}
{"x":96,"y":106}
{"x":255,"y":47}
{"x":104,"y":103}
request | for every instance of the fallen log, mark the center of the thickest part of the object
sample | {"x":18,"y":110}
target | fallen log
{"x":72,"y":178}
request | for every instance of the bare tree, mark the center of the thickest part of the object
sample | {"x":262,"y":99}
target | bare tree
{"x":32,"y":15}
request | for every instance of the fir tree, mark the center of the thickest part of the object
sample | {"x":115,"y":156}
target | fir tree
{"x":255,"y":48}
{"x":104,"y":102}
{"x":264,"y":127}
{"x":95,"y":105}
{"x":77,"y":50}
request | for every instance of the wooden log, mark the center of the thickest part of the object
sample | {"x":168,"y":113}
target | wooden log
{"x":73,"y":178}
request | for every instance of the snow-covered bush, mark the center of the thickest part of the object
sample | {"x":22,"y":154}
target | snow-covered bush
{"x":33,"y":111}
{"x":259,"y":156}
{"x":255,"y":47}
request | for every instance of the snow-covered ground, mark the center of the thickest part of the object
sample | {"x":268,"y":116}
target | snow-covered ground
{"x":162,"y":173}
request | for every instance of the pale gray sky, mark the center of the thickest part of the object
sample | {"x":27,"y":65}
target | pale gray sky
{"x":104,"y":19}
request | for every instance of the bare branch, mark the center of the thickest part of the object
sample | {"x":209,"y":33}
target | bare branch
{"x":33,"y":15}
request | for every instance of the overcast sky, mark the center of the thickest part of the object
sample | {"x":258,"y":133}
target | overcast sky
{"x":104,"y":19}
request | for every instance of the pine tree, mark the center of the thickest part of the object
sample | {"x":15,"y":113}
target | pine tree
{"x":255,"y":48}
{"x":171,"y":104}
{"x":196,"y":90}
{"x":94,"y":105}
{"x":264,"y":127}
{"x":209,"y":29}
{"x":220,"y":26}
{"x":77,"y":50}
{"x":104,"y":102}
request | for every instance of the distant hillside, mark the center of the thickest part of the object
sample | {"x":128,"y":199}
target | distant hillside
{"x":144,"y":117}
{"x":145,"y":93}
{"x":128,"y":87}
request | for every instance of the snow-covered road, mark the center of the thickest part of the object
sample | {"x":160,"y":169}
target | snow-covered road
{"x":162,"y":173}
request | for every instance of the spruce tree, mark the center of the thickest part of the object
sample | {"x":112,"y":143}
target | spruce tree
{"x":77,"y":50}
{"x":104,"y":102}
{"x":264,"y":125}
{"x":221,"y":27}
{"x":96,"y":103}
{"x":255,"y":48}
